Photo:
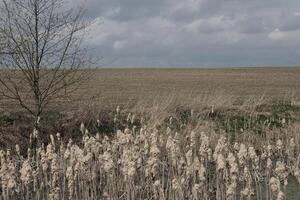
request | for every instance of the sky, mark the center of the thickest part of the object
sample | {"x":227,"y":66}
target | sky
{"x":194,"y":33}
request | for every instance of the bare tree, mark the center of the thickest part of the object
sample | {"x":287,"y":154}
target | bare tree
{"x":42,"y":52}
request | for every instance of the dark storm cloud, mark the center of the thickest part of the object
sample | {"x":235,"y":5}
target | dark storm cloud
{"x":194,"y":32}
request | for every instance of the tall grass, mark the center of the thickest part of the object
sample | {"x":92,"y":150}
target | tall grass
{"x":155,"y":162}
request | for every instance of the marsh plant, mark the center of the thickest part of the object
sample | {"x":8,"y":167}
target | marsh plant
{"x":147,"y":163}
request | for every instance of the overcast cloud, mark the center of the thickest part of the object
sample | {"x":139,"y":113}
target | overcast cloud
{"x":192,"y":33}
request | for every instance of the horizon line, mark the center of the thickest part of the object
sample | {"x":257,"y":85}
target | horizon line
{"x":197,"y":67}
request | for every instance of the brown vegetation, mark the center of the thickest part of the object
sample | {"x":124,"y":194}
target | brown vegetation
{"x":159,"y":93}
{"x":249,"y":118}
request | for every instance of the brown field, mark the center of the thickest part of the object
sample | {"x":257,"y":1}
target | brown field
{"x":159,"y":92}
{"x":129,"y":86}
{"x":107,"y":88}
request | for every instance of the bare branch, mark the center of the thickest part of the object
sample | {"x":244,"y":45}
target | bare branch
{"x":41,"y":52}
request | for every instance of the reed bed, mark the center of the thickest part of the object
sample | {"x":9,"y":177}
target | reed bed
{"x":147,"y":163}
